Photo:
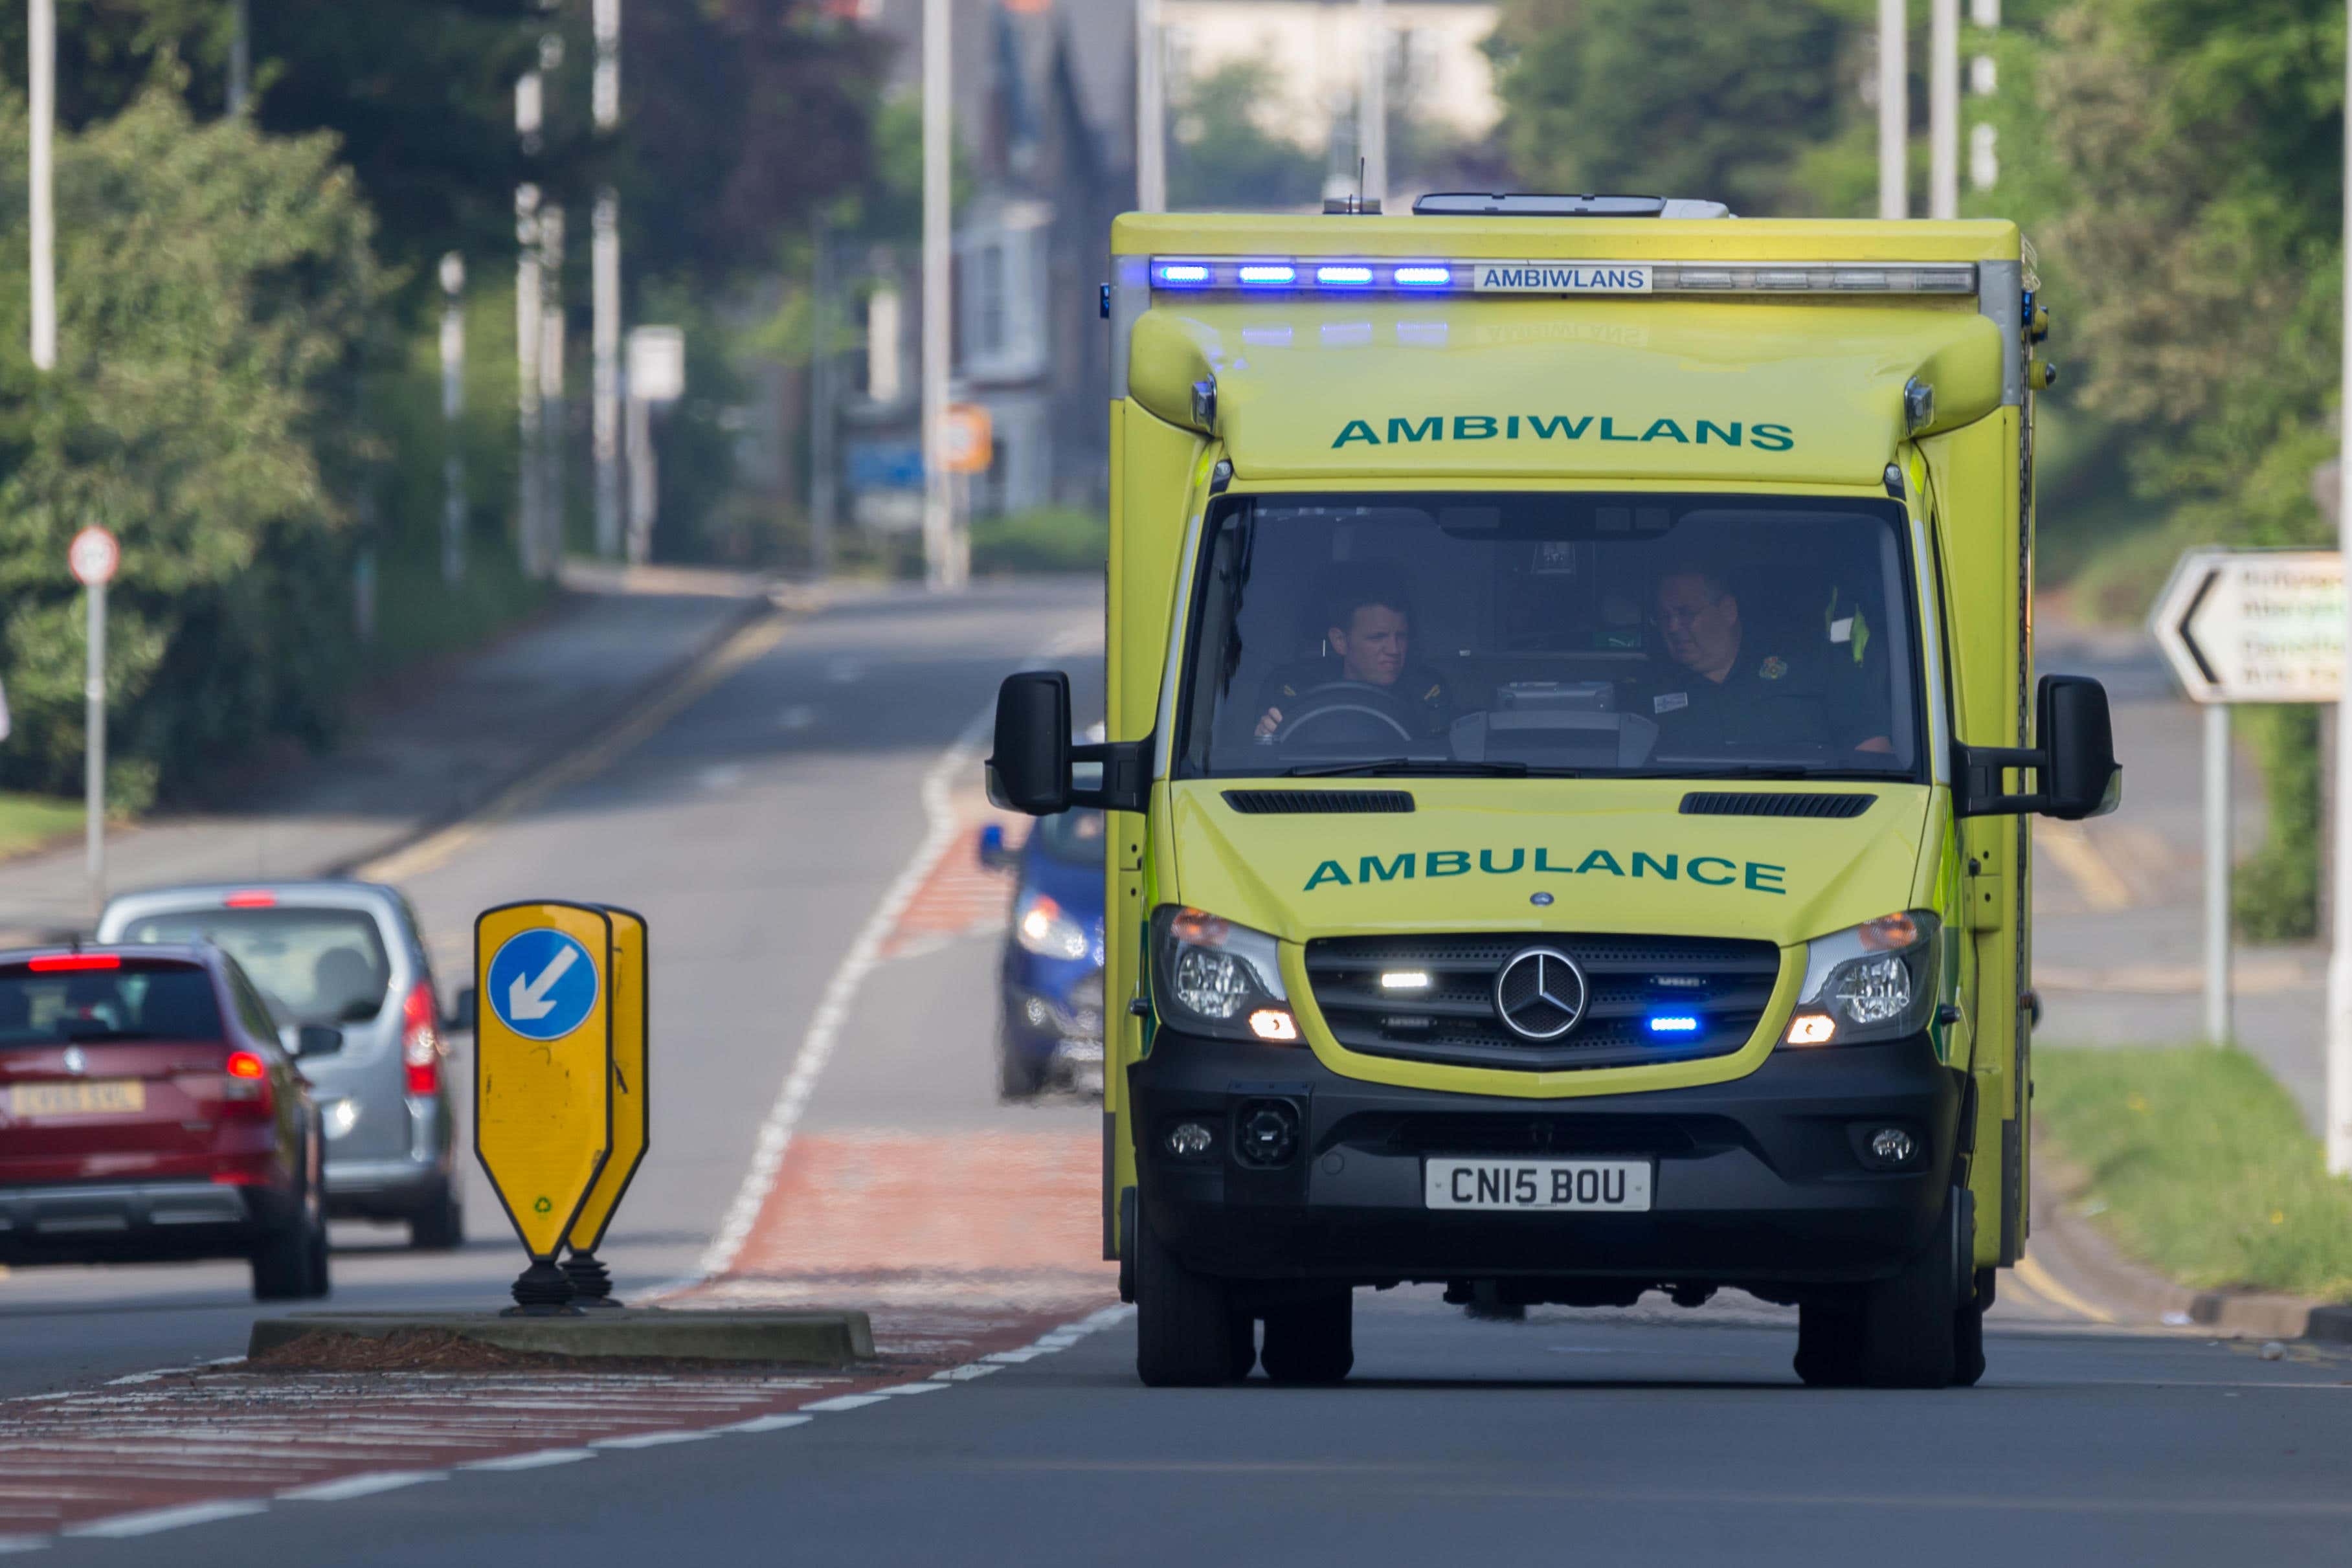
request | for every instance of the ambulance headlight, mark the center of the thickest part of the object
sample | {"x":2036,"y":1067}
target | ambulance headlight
{"x":1876,"y":981}
{"x":1218,"y":978}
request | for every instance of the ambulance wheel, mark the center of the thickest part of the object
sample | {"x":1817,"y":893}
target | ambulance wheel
{"x":1311,"y":1341}
{"x":1967,"y":1333}
{"x":1188,"y":1332}
{"x":1908,"y":1334}
{"x":1829,"y":1342}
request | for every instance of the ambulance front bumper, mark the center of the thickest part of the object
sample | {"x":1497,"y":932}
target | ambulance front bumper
{"x":1770,"y":1179}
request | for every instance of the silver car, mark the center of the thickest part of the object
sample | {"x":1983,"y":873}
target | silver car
{"x":348,"y":955}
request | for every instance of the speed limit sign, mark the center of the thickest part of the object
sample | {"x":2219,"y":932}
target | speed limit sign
{"x":94,"y":556}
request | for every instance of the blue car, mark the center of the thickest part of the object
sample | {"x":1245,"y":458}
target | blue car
{"x":1050,"y":1033}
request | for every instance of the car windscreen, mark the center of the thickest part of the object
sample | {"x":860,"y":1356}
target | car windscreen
{"x":316,"y":965}
{"x":132,"y":1000}
{"x":1075,"y":837}
{"x":1573,"y":634}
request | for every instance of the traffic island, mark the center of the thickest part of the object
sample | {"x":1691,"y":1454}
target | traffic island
{"x":391,"y":1342}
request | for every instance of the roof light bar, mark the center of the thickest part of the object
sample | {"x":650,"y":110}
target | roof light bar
{"x":1464,"y":276}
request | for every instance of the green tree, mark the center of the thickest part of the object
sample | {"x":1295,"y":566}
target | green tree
{"x":1222,"y":155}
{"x":219,"y":302}
{"x":1678,"y":97}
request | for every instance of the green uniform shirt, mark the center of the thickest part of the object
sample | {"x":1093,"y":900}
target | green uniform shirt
{"x":1771,"y":707}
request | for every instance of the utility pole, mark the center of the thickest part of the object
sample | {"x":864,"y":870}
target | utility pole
{"x":453,"y":417}
{"x":942,"y":556}
{"x":605,"y":265}
{"x":1984,"y":78}
{"x":2339,"y":968}
{"x":1893,"y":111}
{"x":1150,"y":110}
{"x":43,"y":75}
{"x":527,"y":347}
{"x":240,"y":57}
{"x":1944,"y":108}
{"x":1372,"y":104}
{"x":822,"y":498}
{"x":552,"y":426}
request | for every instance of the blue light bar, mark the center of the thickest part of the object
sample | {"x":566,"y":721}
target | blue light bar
{"x":1264,"y":272}
{"x":1674,"y":1023}
{"x":1347,"y":276}
{"x":1181,"y":273}
{"x":1424,"y":276}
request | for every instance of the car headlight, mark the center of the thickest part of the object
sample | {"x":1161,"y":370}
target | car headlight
{"x":1218,"y":978}
{"x":1876,"y":981}
{"x":1046,"y":929}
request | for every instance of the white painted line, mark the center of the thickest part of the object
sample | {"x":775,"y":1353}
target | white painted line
{"x":967,"y":1373}
{"x":538,"y":1459}
{"x":845,"y":1402}
{"x":766,"y":1424}
{"x":150,"y":1522}
{"x":823,"y":1032}
{"x":1013,"y":1358}
{"x":650,"y":1439}
{"x":915,"y":1388}
{"x":367,"y":1483}
{"x":10,"y":1544}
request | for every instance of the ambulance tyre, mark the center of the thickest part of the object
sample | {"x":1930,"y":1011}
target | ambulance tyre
{"x":1967,"y":1333}
{"x":1909,"y":1331}
{"x":1311,"y":1341}
{"x":1188,"y":1332}
{"x":1829,"y":1341}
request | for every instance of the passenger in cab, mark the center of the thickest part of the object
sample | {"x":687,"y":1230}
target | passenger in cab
{"x":1735,"y":695}
{"x":1369,"y":633}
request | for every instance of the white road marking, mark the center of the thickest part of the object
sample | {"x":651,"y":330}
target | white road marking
{"x":846,"y":1402}
{"x":151,"y":1522}
{"x":915,"y":1388}
{"x":966,"y":1374}
{"x":766,"y":1424}
{"x":367,"y":1483}
{"x":650,"y":1439}
{"x":10,"y":1544}
{"x":538,"y":1459}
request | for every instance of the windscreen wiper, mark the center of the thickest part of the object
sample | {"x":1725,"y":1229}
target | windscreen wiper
{"x":1424,"y":767}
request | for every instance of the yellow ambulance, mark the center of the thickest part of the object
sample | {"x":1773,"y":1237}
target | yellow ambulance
{"x":1572,"y":734}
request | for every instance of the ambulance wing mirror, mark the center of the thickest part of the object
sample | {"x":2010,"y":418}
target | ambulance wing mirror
{"x":2074,"y":765}
{"x":1037,"y":771}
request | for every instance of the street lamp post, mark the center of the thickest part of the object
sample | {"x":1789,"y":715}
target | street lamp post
{"x":605,"y":265}
{"x":453,"y":417}
{"x":942,"y":555}
{"x":1944,"y":108}
{"x":42,"y":74}
{"x":2339,"y":968}
{"x":1373,"y":105}
{"x":1894,"y":110}
{"x":1150,"y":110}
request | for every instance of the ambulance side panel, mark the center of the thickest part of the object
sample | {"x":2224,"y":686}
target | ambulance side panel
{"x":1155,"y":470}
{"x":1979,"y":477}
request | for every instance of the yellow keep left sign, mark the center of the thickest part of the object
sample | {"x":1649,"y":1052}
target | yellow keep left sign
{"x":543,"y":1061}
{"x":632,"y":1102}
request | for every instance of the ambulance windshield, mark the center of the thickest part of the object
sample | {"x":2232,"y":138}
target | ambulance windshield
{"x":1552,"y":634}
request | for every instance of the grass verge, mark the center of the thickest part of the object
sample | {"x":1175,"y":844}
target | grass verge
{"x":30,"y":821}
{"x":2200,"y":1164}
{"x":1051,"y":539}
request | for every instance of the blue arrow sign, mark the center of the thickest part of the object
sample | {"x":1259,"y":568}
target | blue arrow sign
{"x":543,"y":984}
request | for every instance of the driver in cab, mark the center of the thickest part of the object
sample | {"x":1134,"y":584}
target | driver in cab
{"x":1368,"y":634}
{"x":1733,"y":694}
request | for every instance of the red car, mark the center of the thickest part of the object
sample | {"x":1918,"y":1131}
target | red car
{"x":147,"y":1110}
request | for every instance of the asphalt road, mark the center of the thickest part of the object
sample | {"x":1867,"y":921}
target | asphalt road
{"x":758,"y":832}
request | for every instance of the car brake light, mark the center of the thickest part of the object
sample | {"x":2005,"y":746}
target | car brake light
{"x":420,"y":1039}
{"x":250,"y":901}
{"x":245,"y":1089}
{"x":75,"y":961}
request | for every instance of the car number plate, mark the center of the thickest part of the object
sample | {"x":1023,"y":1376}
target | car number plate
{"x":97,"y":1097}
{"x":1622,"y":1185}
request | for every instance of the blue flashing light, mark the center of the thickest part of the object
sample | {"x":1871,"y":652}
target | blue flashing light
{"x":1183,"y":272}
{"x":1674,"y":1023}
{"x":1348,"y":277}
{"x":1266,"y":272}
{"x":1424,"y":276}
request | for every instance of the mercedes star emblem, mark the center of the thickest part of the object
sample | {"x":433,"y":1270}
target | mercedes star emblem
{"x":75,"y":1061}
{"x":1540,"y":994}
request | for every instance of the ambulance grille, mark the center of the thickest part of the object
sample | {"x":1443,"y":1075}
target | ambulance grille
{"x":1725,"y":984}
{"x":1768,"y":803}
{"x":1316,"y":802}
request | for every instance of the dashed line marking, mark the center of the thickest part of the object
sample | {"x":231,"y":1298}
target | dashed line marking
{"x":154,"y":1521}
{"x":367,"y":1483}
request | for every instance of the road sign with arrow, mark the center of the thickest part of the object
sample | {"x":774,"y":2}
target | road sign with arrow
{"x":543,"y":1062}
{"x":632,"y":1105}
{"x":2255,"y":626}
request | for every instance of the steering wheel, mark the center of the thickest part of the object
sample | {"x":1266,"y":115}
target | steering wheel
{"x":1337,"y":701}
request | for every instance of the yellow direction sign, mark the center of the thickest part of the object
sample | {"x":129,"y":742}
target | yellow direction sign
{"x":543,"y":1062}
{"x":630,"y":970}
